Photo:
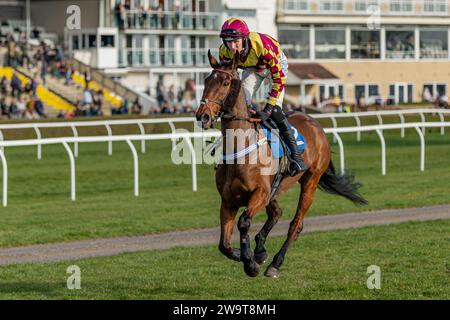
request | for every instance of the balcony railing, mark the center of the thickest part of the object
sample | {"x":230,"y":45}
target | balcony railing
{"x":165,"y":57}
{"x":167,"y":20}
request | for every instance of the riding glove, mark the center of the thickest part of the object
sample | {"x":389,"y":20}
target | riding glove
{"x":266,"y":113}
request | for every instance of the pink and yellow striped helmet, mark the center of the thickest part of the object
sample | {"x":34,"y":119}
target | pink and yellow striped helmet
{"x":234,"y":28}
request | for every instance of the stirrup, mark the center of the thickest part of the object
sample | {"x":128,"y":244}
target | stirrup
{"x":297,"y":168}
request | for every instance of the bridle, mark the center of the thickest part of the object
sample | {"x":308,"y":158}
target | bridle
{"x":221,"y":114}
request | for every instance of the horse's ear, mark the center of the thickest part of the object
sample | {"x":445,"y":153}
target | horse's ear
{"x":236,"y":58}
{"x":235,"y":88}
{"x":212,"y":61}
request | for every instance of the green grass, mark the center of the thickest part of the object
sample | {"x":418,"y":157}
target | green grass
{"x":413,"y":258}
{"x":40,"y":211}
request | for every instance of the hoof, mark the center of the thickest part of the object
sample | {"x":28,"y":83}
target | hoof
{"x":251,"y":269}
{"x":261,"y":258}
{"x":236,"y":255}
{"x":272,"y":272}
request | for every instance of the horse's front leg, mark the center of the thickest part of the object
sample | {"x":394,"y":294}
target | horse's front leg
{"x":257,"y":202}
{"x":274,"y":212}
{"x":227,"y":218}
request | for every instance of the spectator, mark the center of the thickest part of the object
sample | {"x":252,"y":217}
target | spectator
{"x":4,"y":107}
{"x":177,"y":13}
{"x":39,"y":107}
{"x":136,"y":108}
{"x":159,"y":92}
{"x":443,"y":101}
{"x":123,"y":109}
{"x":96,"y":109}
{"x":69,"y":75}
{"x":21,"y":106}
{"x":16,"y":86}
{"x":87,"y":100}
{"x":43,"y":67}
{"x":13,"y":113}
{"x":426,"y":95}
{"x":171,"y":95}
{"x":30,"y":112}
{"x":4,"y":87}
{"x":118,"y":15}
{"x":87,"y":78}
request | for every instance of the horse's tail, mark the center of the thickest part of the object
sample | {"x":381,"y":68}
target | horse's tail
{"x":342,"y":184}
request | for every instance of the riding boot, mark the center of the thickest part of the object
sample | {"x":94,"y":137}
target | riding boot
{"x":297,"y":164}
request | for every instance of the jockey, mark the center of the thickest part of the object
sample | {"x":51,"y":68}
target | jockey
{"x":261,"y":57}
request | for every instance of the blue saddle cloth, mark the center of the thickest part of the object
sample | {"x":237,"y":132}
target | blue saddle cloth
{"x":275,"y":143}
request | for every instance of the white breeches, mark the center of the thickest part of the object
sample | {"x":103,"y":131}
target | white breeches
{"x":251,"y":81}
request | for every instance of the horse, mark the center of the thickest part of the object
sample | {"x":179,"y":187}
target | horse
{"x":245,"y":185}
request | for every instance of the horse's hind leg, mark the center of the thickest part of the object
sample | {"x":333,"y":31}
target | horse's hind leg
{"x":227,"y":218}
{"x":309,"y":185}
{"x":274,"y":212}
{"x":257,"y":202}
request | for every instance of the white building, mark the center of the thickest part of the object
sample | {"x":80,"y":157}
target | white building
{"x":163,"y":39}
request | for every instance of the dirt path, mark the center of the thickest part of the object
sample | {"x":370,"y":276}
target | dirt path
{"x":108,"y":247}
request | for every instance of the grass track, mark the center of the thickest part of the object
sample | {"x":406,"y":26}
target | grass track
{"x":413,"y":257}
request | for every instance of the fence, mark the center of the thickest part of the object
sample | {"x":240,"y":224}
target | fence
{"x":187,"y":137}
{"x":106,"y":123}
{"x":379,"y":114}
{"x":170,"y":121}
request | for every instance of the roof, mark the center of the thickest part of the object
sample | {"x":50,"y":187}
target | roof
{"x":311,"y":71}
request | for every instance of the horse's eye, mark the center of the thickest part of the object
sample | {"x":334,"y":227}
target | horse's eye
{"x":226,"y":83}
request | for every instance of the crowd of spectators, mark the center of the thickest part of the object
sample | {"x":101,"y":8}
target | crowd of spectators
{"x":140,"y":16}
{"x":175,"y":101}
{"x":18,"y":101}
{"x":438,"y":100}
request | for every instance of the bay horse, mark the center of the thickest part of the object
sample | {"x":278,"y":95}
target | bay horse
{"x":244,"y":185}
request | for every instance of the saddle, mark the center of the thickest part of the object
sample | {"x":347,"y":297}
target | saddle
{"x":280,"y":151}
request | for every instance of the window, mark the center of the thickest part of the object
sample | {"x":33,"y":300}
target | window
{"x":153,"y":53}
{"x":242,"y":13}
{"x":433,"y":44}
{"x":75,"y":42}
{"x":168,"y":54}
{"x":401,"y":6}
{"x":129,"y":41}
{"x":138,"y":56}
{"x":435,"y":7}
{"x":329,"y":91}
{"x":400,"y":44}
{"x":363,"y":5}
{"x":296,"y":5}
{"x":331,"y":5}
{"x":433,"y":90}
{"x":365,"y":44}
{"x":330,"y":44}
{"x":107,"y":41}
{"x":401,"y":93}
{"x":138,"y":41}
{"x":295,"y":42}
{"x":441,"y":89}
{"x":203,"y":5}
{"x":367,"y":93}
{"x":92,"y":40}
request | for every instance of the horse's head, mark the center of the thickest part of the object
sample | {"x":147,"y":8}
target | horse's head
{"x":222,"y":88}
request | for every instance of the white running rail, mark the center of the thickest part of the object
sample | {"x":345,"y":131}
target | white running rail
{"x":171,"y":122}
{"x":105,"y":123}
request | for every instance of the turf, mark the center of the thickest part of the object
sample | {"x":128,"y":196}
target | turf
{"x":413,"y":258}
{"x":40,"y":211}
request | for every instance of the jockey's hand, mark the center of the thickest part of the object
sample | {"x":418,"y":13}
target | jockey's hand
{"x":264,"y":115}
